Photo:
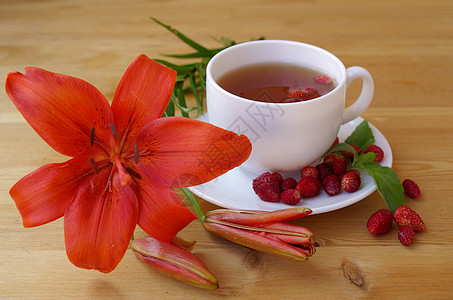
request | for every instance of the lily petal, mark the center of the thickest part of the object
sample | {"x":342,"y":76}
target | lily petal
{"x":162,"y":213}
{"x":260,"y":242}
{"x":264,"y":231}
{"x":43,"y":195}
{"x":142,"y":95}
{"x":261,"y":218}
{"x":183,"y":152}
{"x":62,"y":109}
{"x":99,"y":223}
{"x":174,"y":261}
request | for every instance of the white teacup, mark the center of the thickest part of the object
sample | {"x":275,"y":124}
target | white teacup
{"x":285,"y":137}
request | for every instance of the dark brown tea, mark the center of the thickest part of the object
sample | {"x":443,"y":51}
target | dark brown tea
{"x":276,"y":82}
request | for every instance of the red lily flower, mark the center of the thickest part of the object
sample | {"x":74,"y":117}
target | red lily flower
{"x":125,"y":159}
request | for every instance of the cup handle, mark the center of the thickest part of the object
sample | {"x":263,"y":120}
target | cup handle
{"x":364,"y":100}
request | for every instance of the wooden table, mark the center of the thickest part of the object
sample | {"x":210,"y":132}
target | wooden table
{"x":406,"y":45}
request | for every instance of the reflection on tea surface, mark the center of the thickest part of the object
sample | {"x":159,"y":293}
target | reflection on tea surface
{"x":276,"y":82}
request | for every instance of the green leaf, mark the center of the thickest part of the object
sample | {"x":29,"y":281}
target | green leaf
{"x":362,"y":136}
{"x":387,"y":183}
{"x":181,"y":36}
{"x":342,"y":147}
{"x":180,"y":69}
{"x":170,"y":110}
{"x":201,"y":54}
{"x":198,"y":96}
{"x":363,"y":159}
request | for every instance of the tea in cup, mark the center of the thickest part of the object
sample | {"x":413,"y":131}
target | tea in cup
{"x":287,"y":97}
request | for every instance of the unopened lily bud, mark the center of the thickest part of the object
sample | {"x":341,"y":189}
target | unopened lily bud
{"x":175,"y":261}
{"x":264,"y":231}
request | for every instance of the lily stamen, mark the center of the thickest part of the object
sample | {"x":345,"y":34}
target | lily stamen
{"x":93,"y":164}
{"x":136,"y":154}
{"x":133,"y":173}
{"x":94,"y":140}
{"x":114,"y":131}
{"x":92,"y":136}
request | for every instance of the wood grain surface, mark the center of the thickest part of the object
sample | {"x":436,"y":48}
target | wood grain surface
{"x":406,"y":45}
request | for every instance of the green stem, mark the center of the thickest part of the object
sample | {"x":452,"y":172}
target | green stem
{"x":194,"y":203}
{"x":199,"y":100}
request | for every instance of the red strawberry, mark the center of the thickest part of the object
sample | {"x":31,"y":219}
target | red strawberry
{"x":309,"y":171}
{"x":288,"y":183}
{"x":406,"y":235}
{"x":278,"y":177}
{"x":377,"y":150}
{"x":322,"y":79}
{"x":324,"y":170}
{"x":339,"y":163}
{"x":309,"y":186}
{"x":312,"y":93}
{"x":299,"y":94}
{"x":380,"y":222}
{"x":404,"y":215}
{"x":291,"y":196}
{"x":350,"y":181}
{"x":352,"y":171}
{"x":305,"y":94}
{"x":267,"y":187}
{"x":411,"y":188}
{"x":331,"y":185}
{"x":329,"y":158}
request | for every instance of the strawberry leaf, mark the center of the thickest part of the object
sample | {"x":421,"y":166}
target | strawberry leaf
{"x":363,"y":159}
{"x":387,"y":183}
{"x":362,"y":136}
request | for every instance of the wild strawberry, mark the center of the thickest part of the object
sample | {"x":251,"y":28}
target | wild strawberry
{"x":411,"y":188}
{"x":309,"y":186}
{"x":350,"y":182}
{"x":377,"y":150}
{"x":349,"y":153}
{"x":278,"y":177}
{"x":331,"y":185}
{"x":288,"y":183}
{"x":324,"y":170}
{"x":291,"y":196}
{"x":312,"y":93}
{"x":299,"y":94}
{"x":405,"y":235}
{"x":322,"y":79}
{"x":309,"y":171}
{"x":329,"y":158}
{"x":404,"y":215}
{"x":266,"y":186}
{"x":304,"y":94}
{"x":339,"y":163}
{"x":380,"y":222}
{"x":352,"y":171}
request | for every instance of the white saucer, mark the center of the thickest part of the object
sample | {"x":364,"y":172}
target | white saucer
{"x":233,"y":189}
